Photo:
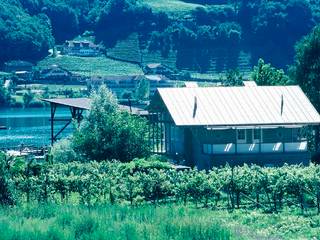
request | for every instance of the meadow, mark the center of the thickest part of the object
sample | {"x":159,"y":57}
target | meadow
{"x":92,"y":66}
{"x":147,"y":222}
{"x":50,"y":221}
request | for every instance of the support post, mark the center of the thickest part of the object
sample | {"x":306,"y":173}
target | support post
{"x":53,"y":111}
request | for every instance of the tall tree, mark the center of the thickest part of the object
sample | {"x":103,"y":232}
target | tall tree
{"x":108,"y":132}
{"x":306,"y":69}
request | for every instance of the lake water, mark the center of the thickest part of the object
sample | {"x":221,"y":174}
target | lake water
{"x":30,"y":126}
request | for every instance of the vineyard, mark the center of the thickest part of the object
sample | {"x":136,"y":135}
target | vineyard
{"x":154,"y":182}
{"x":92,"y":66}
{"x":278,"y":201}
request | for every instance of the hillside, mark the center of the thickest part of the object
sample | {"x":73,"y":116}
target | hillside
{"x":92,"y":66}
{"x":200,"y":36}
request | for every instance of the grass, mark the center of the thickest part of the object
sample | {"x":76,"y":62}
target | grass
{"x":109,"y":222}
{"x":52,"y":221}
{"x":92,"y":66}
{"x":289,"y":224}
{"x":173,"y":7}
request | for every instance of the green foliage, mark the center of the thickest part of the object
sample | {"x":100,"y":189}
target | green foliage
{"x":23,"y":36}
{"x":66,"y":222}
{"x":306,"y":70}
{"x":92,"y":66}
{"x":233,"y":78}
{"x":108,"y":132}
{"x":4,"y":96}
{"x":264,"y":74}
{"x":143,"y":89}
{"x":6,"y":184}
{"x":62,"y":152}
{"x":27,"y":98}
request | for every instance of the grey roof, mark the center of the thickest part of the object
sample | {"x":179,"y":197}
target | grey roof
{"x":85,"y":104}
{"x":239,"y":106}
{"x":82,"y":103}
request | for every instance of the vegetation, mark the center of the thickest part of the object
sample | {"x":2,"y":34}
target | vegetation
{"x":92,"y":66}
{"x":264,"y":74}
{"x":108,"y":132}
{"x":64,"y":222}
{"x":205,"y":31}
{"x":306,"y":71}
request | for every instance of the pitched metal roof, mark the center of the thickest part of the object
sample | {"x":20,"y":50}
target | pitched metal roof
{"x":239,"y":106}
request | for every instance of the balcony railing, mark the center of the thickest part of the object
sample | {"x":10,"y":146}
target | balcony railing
{"x":279,"y":147}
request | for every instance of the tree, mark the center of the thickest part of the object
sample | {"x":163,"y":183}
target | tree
{"x":264,"y":74}
{"x":27,"y":98}
{"x":108,"y":132}
{"x":4,"y":96}
{"x":233,"y":78}
{"x":143,"y":89}
{"x":306,"y":69}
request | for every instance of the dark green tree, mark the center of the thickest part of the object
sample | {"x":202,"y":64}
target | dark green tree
{"x":306,"y":69}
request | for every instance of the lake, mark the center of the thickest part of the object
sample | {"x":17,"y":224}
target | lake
{"x":29,"y":126}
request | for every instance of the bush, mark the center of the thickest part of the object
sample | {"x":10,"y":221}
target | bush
{"x":62,"y":152}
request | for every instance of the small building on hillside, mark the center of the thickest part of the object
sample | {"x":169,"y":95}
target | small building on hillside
{"x":55,"y":73}
{"x":129,"y":83}
{"x":24,"y":76}
{"x":157,"y":69}
{"x":217,"y":125}
{"x":17,"y":65}
{"x":81,"y":49}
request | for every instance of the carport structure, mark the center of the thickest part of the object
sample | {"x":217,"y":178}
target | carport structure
{"x":77,"y":107}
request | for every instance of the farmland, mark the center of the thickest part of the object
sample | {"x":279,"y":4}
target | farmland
{"x":148,"y":200}
{"x":92,"y":66}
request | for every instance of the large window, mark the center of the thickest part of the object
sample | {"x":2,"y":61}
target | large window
{"x":241,"y":135}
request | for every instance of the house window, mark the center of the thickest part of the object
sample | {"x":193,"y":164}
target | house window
{"x":257,"y":135}
{"x":241,"y":135}
{"x":207,"y":148}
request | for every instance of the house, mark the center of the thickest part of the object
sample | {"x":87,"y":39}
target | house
{"x":117,"y":84}
{"x":217,"y":125}
{"x":24,"y":75}
{"x":81,"y":49}
{"x":55,"y":73}
{"x":125,"y":83}
{"x":16,"y":66}
{"x":157,"y":68}
{"x":157,"y":81}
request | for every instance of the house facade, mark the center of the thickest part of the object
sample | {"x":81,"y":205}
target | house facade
{"x":55,"y":73}
{"x":129,"y":83}
{"x":208,"y":127}
{"x":17,"y":65}
{"x":81,"y":49}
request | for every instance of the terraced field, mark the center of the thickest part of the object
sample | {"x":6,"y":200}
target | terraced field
{"x":92,"y":66}
{"x":126,"y":50}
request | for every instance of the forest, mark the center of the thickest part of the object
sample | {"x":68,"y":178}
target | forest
{"x":267,"y":29}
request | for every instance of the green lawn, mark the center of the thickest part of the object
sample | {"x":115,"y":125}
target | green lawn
{"x":92,"y":66}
